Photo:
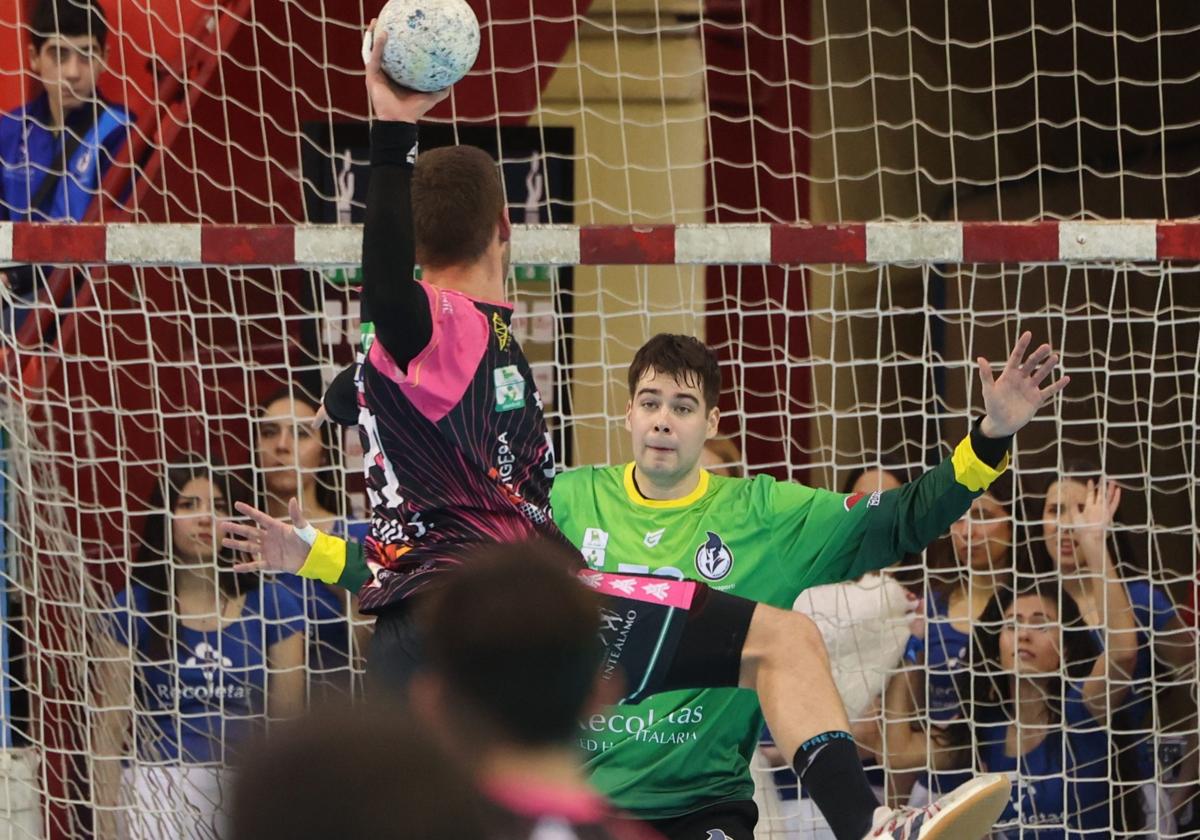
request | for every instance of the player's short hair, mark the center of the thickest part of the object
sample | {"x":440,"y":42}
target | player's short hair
{"x":457,"y":199}
{"x":685,"y":358}
{"x":354,"y":774}
{"x":514,"y":637}
{"x":69,"y":18}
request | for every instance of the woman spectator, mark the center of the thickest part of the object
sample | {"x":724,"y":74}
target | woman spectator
{"x":1064,"y":682}
{"x":297,"y":461}
{"x":195,"y":659}
{"x":1152,"y":745}
{"x":924,"y":718}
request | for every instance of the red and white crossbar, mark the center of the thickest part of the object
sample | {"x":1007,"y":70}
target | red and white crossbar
{"x":725,"y":244}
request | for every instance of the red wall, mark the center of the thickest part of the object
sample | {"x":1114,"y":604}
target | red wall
{"x":743,"y":188}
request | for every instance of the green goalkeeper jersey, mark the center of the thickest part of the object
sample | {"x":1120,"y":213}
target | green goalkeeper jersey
{"x":757,"y":538}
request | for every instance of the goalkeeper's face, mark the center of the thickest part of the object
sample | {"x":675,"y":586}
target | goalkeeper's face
{"x":669,"y":423}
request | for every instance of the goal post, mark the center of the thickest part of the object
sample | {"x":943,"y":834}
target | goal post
{"x":849,"y":201}
{"x":153,"y":358}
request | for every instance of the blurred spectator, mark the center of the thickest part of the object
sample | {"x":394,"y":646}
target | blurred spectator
{"x":513,"y":665}
{"x":721,"y":456}
{"x":297,"y":461}
{"x":1149,"y":733}
{"x":195,"y":659}
{"x":370,"y":775}
{"x":56,"y":148}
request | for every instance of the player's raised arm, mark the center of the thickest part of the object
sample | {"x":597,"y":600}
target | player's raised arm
{"x":391,"y":298}
{"x":848,"y":536}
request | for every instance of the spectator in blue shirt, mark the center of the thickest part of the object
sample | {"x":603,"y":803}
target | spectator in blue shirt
{"x":1149,"y":734}
{"x":300,"y":462}
{"x":56,"y":148}
{"x":194,"y":660}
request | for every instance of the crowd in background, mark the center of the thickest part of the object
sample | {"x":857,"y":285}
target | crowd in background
{"x":1034,"y":644}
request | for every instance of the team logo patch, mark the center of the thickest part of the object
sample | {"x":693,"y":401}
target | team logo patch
{"x":510,"y":388}
{"x":714,"y":560}
{"x":595,"y":541}
{"x":503,"y":333}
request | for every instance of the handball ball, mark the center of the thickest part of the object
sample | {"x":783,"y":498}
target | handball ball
{"x":431,"y":44}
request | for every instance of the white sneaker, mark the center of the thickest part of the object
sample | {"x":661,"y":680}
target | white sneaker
{"x":966,"y":813}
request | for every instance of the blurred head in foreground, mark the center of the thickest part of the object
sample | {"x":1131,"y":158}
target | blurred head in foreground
{"x":513,"y":653}
{"x":354,"y":774}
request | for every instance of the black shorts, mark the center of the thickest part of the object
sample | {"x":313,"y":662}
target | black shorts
{"x":724,"y":821}
{"x":659,"y":634}
{"x":662,"y":634}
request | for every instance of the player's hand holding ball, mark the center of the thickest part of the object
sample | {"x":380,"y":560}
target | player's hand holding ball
{"x":415,"y":51}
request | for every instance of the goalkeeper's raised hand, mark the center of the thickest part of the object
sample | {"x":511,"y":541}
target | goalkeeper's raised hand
{"x":1011,"y":400}
{"x":274,"y":543}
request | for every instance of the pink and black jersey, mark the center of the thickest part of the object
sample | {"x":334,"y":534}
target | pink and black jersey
{"x":455,"y":445}
{"x":529,"y":811}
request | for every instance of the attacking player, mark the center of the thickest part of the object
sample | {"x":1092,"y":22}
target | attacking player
{"x":458,"y":454}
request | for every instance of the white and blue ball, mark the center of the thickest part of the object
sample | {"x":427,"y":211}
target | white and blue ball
{"x":431,"y":44}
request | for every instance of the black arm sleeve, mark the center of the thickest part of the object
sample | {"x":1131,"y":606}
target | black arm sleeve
{"x":990,"y":450}
{"x":341,"y":398}
{"x":391,"y":298}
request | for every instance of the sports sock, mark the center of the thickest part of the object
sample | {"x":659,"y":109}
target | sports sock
{"x":832,"y":773}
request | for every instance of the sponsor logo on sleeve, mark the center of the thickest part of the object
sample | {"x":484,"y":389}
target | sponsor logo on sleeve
{"x":851,"y":501}
{"x":510,"y":388}
{"x":714,"y":560}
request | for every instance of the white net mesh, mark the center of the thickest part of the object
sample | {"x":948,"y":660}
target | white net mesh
{"x":630,"y":113}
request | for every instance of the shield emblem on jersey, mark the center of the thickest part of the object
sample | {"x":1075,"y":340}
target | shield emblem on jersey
{"x":714,"y":560}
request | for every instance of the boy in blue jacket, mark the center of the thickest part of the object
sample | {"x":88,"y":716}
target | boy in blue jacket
{"x":56,"y":148}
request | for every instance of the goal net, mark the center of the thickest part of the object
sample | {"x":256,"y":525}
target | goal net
{"x":851,"y":202}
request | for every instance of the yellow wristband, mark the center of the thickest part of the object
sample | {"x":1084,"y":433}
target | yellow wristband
{"x":326,"y":559}
{"x":971,"y":472}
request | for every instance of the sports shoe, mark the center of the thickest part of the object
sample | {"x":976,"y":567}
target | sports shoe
{"x":966,"y":813}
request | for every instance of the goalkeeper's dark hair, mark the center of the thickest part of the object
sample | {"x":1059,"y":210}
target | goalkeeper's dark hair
{"x":329,"y":495}
{"x":69,"y":18}
{"x":514,"y":637}
{"x":683,"y":357}
{"x":457,"y":199}
{"x":152,"y":561}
